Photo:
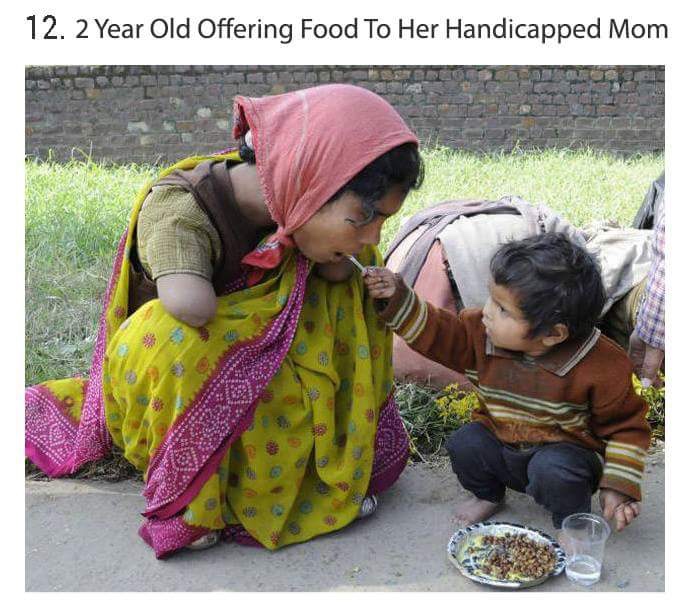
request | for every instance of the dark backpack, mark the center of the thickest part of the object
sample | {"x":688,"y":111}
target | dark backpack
{"x":644,"y":220}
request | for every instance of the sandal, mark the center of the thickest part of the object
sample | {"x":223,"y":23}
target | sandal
{"x":205,"y":542}
{"x":368,"y":506}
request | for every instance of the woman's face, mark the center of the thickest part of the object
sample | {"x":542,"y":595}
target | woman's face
{"x":331,"y":233}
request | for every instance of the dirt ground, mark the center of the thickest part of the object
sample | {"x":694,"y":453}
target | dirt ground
{"x":82,"y":536}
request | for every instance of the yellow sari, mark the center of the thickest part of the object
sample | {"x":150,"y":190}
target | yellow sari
{"x":271,"y":423}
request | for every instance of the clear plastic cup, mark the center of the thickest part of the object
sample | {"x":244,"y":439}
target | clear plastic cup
{"x":584,"y":537}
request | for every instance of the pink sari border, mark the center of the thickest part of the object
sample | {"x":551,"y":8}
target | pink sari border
{"x":168,"y":535}
{"x":50,"y":432}
{"x":236,"y":533}
{"x":205,"y":473}
{"x":391,"y":448}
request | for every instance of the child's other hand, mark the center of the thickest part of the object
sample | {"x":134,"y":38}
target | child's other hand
{"x":618,"y":506}
{"x":380,"y":282}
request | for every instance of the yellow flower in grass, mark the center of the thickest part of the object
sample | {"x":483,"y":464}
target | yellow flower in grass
{"x":455,"y":403}
{"x":656,"y":400}
{"x":650,"y":394}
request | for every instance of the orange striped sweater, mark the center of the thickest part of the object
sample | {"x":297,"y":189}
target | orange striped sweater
{"x":580,"y":392}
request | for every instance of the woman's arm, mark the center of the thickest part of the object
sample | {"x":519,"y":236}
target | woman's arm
{"x":189,"y":298}
{"x":177,"y":245}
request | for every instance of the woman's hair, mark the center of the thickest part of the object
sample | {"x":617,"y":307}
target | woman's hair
{"x":555,"y":282}
{"x":401,"y":166}
{"x":246,"y":153}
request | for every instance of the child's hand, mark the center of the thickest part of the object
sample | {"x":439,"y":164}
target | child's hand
{"x":619,"y":506}
{"x":380,"y":282}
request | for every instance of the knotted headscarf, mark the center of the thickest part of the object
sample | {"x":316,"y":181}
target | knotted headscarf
{"x":308,"y":144}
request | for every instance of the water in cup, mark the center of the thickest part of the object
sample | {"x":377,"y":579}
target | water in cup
{"x":583,"y":569}
{"x":584,"y":537}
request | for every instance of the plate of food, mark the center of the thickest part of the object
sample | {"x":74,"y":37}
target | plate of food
{"x":505,"y":555}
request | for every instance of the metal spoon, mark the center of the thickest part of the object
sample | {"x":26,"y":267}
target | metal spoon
{"x":356,"y":263}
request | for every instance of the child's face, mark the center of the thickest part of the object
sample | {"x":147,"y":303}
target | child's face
{"x":505,"y":323}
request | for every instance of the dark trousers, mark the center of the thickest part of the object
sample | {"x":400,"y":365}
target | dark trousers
{"x":561,"y":477}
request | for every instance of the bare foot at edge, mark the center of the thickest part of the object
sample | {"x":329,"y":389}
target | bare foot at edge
{"x":473,"y":510}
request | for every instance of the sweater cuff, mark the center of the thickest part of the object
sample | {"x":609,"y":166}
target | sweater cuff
{"x":404,"y":312}
{"x":624,"y":469}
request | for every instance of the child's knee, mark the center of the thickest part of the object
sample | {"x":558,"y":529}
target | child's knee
{"x":561,"y":481}
{"x":467,"y":443}
{"x":556,"y":471}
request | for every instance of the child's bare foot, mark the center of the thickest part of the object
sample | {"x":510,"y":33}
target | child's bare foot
{"x":474,"y":510}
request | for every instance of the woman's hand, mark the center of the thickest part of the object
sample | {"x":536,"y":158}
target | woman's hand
{"x":380,"y":282}
{"x":647,"y":360}
{"x":189,"y":298}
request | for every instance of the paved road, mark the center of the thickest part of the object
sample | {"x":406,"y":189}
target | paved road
{"x":82,"y":536}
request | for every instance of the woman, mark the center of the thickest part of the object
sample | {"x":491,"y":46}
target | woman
{"x":274,"y":422}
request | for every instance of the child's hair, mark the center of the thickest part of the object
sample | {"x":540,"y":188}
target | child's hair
{"x":555,"y":281}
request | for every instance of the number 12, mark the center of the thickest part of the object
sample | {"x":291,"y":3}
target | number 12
{"x":48,"y":18}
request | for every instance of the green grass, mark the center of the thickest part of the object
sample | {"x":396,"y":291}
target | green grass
{"x":75,"y":213}
{"x":584,"y":185}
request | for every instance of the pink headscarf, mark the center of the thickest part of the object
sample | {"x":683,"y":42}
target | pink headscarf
{"x":308,"y":144}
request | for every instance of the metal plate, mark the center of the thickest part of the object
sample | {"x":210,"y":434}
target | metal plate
{"x":460,"y":554}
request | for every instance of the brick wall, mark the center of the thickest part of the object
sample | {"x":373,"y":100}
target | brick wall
{"x":162,"y":113}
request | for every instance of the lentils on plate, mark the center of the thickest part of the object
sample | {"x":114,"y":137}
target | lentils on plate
{"x":516,"y":555}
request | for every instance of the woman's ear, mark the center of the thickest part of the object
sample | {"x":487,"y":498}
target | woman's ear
{"x":556,"y":335}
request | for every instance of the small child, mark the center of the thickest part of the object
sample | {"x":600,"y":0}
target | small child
{"x":558,"y":416}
